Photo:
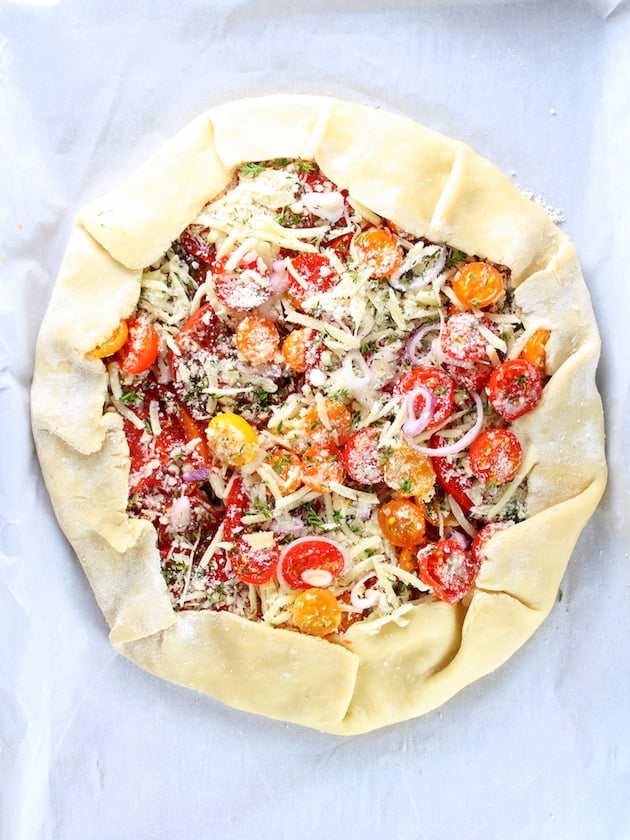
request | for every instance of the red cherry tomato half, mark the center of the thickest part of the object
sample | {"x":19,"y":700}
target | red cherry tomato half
{"x":308,"y":554}
{"x":495,"y":456}
{"x":452,"y":476}
{"x":361,"y":457}
{"x":437,"y":381}
{"x":514,"y":388}
{"x":448,"y":568}
{"x":309,"y":275}
{"x":245,"y":287}
{"x":462,"y":340}
{"x":141,"y":348}
{"x":482,"y":537}
{"x":322,"y":466}
{"x":202,"y":329}
{"x":251,"y":564}
{"x":236,"y":503}
{"x":194,"y":243}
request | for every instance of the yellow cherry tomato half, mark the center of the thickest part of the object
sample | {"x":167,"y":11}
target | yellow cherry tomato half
{"x":478,"y":285}
{"x":409,"y":472}
{"x":316,"y":612}
{"x":377,"y":248}
{"x":402,"y":523}
{"x":113,"y":343}
{"x":232,"y":440}
{"x":535,"y":351}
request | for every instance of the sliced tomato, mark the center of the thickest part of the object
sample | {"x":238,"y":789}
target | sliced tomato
{"x":243,"y":288}
{"x":378,"y":249}
{"x":202,"y":329}
{"x":439,"y":383}
{"x":478,"y":285}
{"x":473,"y":377}
{"x":339,"y":420}
{"x":288,"y":468}
{"x":236,"y":503}
{"x":309,"y":275}
{"x":495,"y":456}
{"x":309,"y":554}
{"x":452,"y":476}
{"x":341,"y":246}
{"x":482,"y":538}
{"x":141,"y":348}
{"x":316,"y":612}
{"x":514,"y":388}
{"x":409,"y":472}
{"x":257,"y":339}
{"x":194,"y":243}
{"x":322,"y":467}
{"x":448,"y":568}
{"x":295,"y":348}
{"x":462,"y":340}
{"x":535,"y":351}
{"x":402,"y":523}
{"x":361,"y":458}
{"x":252,"y":564}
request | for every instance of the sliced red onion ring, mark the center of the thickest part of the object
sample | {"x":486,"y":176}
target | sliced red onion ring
{"x":462,"y":443}
{"x":288,"y":526}
{"x":353,"y":361}
{"x":415,"y":339}
{"x":200,"y":474}
{"x":432,"y":271}
{"x":414,"y":425}
{"x":363,"y":602}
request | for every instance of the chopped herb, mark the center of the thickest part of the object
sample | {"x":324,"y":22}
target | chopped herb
{"x":406,"y":486}
{"x":252,"y":170}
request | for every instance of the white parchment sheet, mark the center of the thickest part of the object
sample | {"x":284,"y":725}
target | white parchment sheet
{"x":93,"y":747}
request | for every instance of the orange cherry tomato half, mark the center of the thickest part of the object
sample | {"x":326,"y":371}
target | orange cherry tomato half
{"x":257,"y":339}
{"x":316,"y":612}
{"x":407,"y":561}
{"x":308,"y":554}
{"x":378,"y":249}
{"x":113,"y":343}
{"x":361,"y":458}
{"x":309,"y":275}
{"x":495,"y":456}
{"x":402,"y":523}
{"x":322,"y":466}
{"x":535,"y":351}
{"x":478,"y":285}
{"x":295,"y":348}
{"x":253,"y":564}
{"x":448,"y":568}
{"x":340,"y":421}
{"x":141,"y":348}
{"x":514,"y":388}
{"x":287,"y":467}
{"x":409,"y":472}
{"x":439,"y":383}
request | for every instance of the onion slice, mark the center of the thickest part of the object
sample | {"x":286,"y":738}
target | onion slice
{"x":415,"y":339}
{"x":462,"y":443}
{"x":415,"y":424}
{"x":363,"y":602}
{"x":357,"y":369}
{"x":436,"y":255}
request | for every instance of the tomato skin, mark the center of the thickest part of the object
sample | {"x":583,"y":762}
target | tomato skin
{"x":316,"y":612}
{"x":448,"y":569}
{"x":482,"y":537}
{"x":361,"y":457}
{"x":141,"y":348}
{"x":495,"y":456}
{"x":113,"y":343}
{"x":254,"y":565}
{"x":439,"y":383}
{"x":244,"y":288}
{"x":402,"y":523}
{"x":514,"y":388}
{"x":307,"y":554}
{"x":378,"y":249}
{"x":322,"y":466}
{"x":316,"y":275}
{"x":452,"y":478}
{"x":478,"y":285}
{"x":236,"y":503}
{"x":535,"y":351}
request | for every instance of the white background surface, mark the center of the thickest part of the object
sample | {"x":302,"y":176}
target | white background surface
{"x":92,"y":747}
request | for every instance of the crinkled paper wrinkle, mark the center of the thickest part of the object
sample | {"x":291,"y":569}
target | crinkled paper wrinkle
{"x":407,"y":668}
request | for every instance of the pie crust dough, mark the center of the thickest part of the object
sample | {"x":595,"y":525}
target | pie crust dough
{"x":429,"y":185}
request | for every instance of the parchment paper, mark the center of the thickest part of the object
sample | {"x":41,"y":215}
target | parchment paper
{"x":92,"y":747}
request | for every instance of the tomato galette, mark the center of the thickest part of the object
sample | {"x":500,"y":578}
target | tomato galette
{"x":315,"y":404}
